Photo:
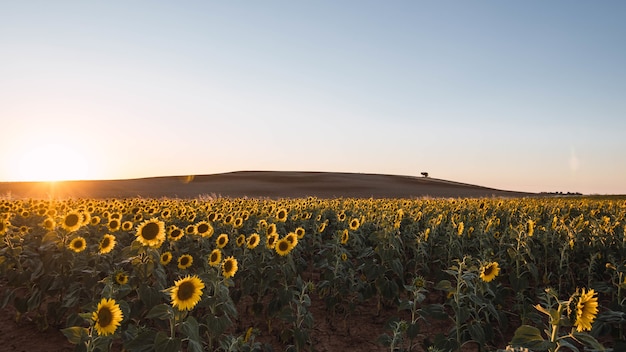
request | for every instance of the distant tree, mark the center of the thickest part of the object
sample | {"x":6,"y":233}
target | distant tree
{"x":425,"y":174}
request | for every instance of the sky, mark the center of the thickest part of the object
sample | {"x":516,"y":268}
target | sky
{"x":515,"y":95}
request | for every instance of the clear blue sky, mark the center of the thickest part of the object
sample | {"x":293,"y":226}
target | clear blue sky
{"x":517,"y":95}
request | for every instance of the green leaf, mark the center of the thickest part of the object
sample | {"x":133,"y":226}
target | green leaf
{"x":76,"y":334}
{"x":530,"y":337}
{"x":161,"y":311}
{"x":164,"y":343}
{"x":588,"y":341}
{"x":444,"y":285}
{"x":190,"y":329}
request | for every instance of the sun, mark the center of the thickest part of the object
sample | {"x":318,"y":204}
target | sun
{"x":51,"y":162}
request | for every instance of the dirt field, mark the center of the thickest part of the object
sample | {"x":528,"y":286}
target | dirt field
{"x":253,"y":184}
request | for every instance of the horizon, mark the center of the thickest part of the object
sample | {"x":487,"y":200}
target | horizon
{"x":525,"y":96}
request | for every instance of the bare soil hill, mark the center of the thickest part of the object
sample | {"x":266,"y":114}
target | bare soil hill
{"x":256,"y":184}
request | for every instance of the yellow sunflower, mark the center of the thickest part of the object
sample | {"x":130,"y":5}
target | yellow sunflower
{"x":281,"y":215}
{"x":151,"y":233}
{"x":270,"y":229}
{"x":4,"y":226}
{"x":204,"y":229}
{"x":78,"y":244}
{"x":107,"y":243}
{"x":95,"y":220}
{"x":107,"y":317}
{"x":72,"y":221}
{"x":300,"y":232}
{"x":185,"y":261}
{"x":166,"y":258}
{"x":238,"y":223}
{"x":48,"y":224}
{"x":321,"y":227}
{"x":121,"y":278}
{"x":222,"y":240}
{"x":586,"y":310}
{"x":292,"y":238}
{"x":283,"y":246}
{"x":241,"y":240}
{"x":127,"y":225}
{"x":229,"y":267}
{"x":176,"y":233}
{"x":253,"y":241}
{"x":354,"y":224}
{"x":215,"y":258}
{"x":270,"y":240}
{"x":489,"y":272}
{"x":114,"y":225}
{"x":345,"y":236}
{"x":186,"y":292}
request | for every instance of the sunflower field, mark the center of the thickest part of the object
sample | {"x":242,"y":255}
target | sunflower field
{"x":540,"y":274}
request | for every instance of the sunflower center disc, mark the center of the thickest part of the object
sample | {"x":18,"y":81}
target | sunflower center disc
{"x":150,"y":231}
{"x":104,"y":317}
{"x":186,"y":290}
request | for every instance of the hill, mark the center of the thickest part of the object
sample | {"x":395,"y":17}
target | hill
{"x":256,"y":184}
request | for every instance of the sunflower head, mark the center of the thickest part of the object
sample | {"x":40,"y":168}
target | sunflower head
{"x":166,"y":258}
{"x":281,"y":215}
{"x":222,"y":240}
{"x":186,"y":292}
{"x":78,"y":244}
{"x":72,"y":221}
{"x":151,"y":233}
{"x":204,"y":229}
{"x":300,"y":233}
{"x":489,"y":271}
{"x":229,"y":267}
{"x":185,"y":261}
{"x":283,"y":246}
{"x":121,"y":278}
{"x":107,"y":317}
{"x":241,"y":240}
{"x":270,"y":240}
{"x":345,"y":236}
{"x":176,"y":233}
{"x":215,"y":258}
{"x":354,"y":224}
{"x":106,"y":244}
{"x":253,"y":241}
{"x":582,"y":309}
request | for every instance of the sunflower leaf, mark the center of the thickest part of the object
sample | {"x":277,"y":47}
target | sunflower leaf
{"x":76,"y":334}
{"x":162,"y":311}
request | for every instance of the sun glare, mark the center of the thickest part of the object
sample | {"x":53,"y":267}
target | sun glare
{"x":52,"y":162}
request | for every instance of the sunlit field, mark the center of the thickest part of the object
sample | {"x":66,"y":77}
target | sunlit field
{"x":244,"y":274}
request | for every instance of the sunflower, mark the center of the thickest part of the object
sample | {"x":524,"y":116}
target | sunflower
{"x":127,"y":225}
{"x":321,"y":227}
{"x":270,"y":240}
{"x":283,"y":246}
{"x":215,"y":258}
{"x":186,"y":292}
{"x":166,"y":258}
{"x":106,"y":244}
{"x":344,"y":256}
{"x":114,"y":225}
{"x":48,"y":224}
{"x":72,"y":221}
{"x":354,"y":224}
{"x":300,"y":232}
{"x":271,"y":228}
{"x":121,"y":278}
{"x":107,"y":317}
{"x":222,"y":240}
{"x":292,"y":238}
{"x":176,"y":233}
{"x":281,"y":215}
{"x":204,"y":229}
{"x":241,"y":240}
{"x":151,"y":233}
{"x":229,"y":267}
{"x":78,"y":244}
{"x":191,"y":229}
{"x":185,"y":261}
{"x":253,"y":241}
{"x":95,"y":220}
{"x":586,"y":309}
{"x":4,"y":226}
{"x":345,"y":236}
{"x":489,"y":272}
{"x":238,"y":223}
